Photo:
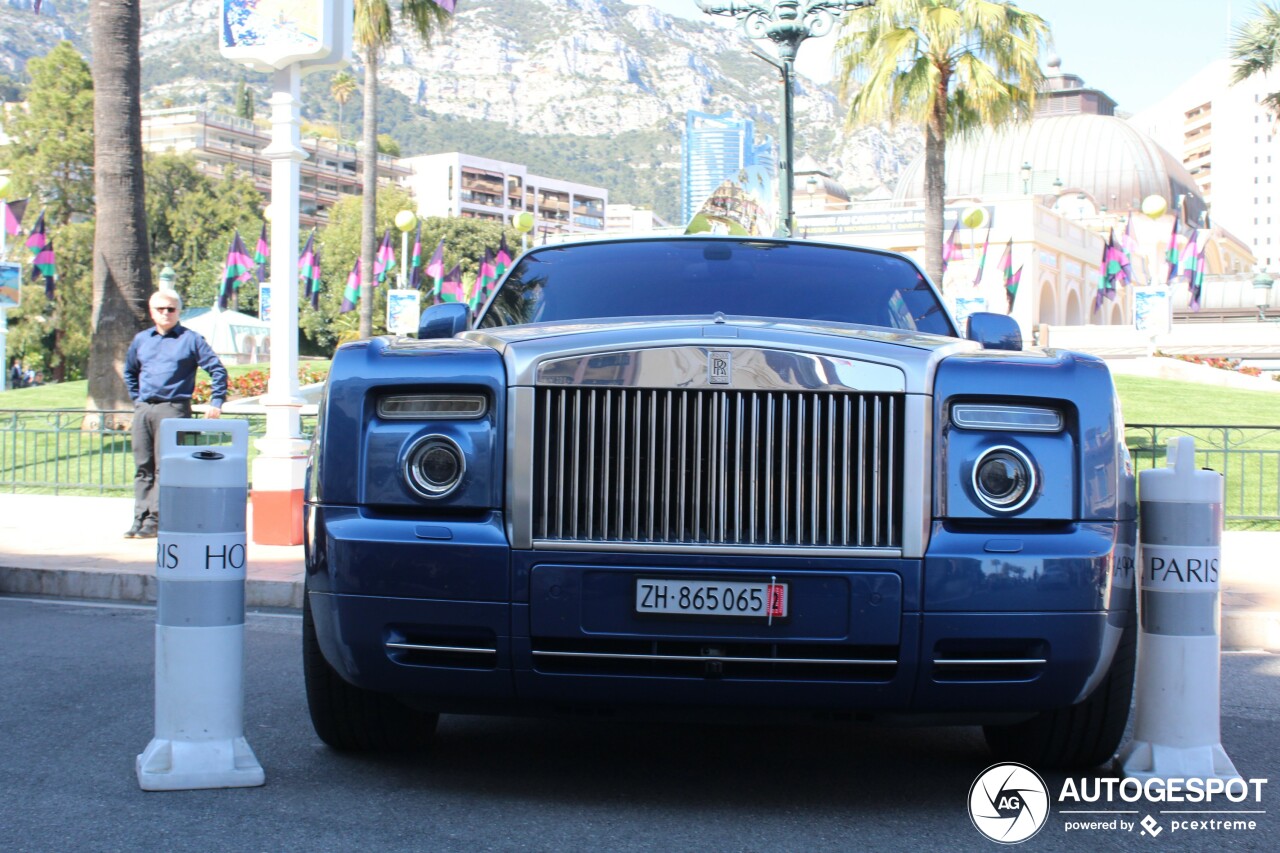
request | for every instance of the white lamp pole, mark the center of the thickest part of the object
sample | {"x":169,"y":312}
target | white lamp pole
{"x":4,"y":318}
{"x":286,"y":47}
{"x":405,"y":220}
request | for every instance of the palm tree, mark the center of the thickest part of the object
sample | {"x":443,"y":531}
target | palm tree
{"x":121,"y":252}
{"x":372,"y":34}
{"x":1255,"y":46}
{"x":952,"y":66}
{"x":341,"y":88}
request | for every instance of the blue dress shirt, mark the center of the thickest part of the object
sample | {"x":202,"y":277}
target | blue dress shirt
{"x":162,"y":368}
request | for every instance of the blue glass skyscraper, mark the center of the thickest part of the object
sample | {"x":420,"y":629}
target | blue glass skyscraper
{"x":718,"y":147}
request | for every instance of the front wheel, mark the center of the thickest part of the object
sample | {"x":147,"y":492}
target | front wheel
{"x":1083,"y":735}
{"x":353,"y":719}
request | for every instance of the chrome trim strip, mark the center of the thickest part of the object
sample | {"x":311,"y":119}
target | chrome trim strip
{"x":917,"y":475}
{"x":754,"y":369}
{"x":703,"y":548}
{"x":990,"y":662}
{"x":518,"y":518}
{"x":417,"y":647}
{"x":714,"y":658}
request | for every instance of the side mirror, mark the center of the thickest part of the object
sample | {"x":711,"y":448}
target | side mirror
{"x":444,"y":320}
{"x":994,"y":331}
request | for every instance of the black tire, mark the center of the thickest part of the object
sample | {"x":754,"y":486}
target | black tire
{"x":1084,"y":735}
{"x":352,"y":719}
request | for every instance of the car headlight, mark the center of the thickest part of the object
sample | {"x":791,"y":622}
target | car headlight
{"x":434,"y":466}
{"x":1004,"y":479}
{"x":1010,"y":418}
{"x":433,"y":406}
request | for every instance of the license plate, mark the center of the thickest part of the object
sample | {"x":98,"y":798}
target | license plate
{"x":759,"y":599}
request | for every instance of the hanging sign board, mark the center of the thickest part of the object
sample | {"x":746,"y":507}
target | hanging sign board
{"x":269,"y":35}
{"x":1152,"y":312}
{"x":403,"y":311}
{"x":10,"y":285}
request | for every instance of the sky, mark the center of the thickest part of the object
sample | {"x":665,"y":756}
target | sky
{"x":1136,"y":51}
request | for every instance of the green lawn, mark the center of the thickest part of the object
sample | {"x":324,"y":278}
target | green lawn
{"x":1163,"y":401}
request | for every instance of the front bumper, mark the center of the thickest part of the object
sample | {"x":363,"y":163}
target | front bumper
{"x":447,"y":613}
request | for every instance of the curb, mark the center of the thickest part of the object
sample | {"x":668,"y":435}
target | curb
{"x":130,"y":586}
{"x":1244,"y":630}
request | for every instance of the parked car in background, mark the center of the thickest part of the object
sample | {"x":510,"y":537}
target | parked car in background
{"x":720,"y":476}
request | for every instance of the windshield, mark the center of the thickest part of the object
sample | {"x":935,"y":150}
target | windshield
{"x":690,"y":276}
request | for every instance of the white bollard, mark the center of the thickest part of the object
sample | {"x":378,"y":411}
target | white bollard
{"x":200,"y":571}
{"x":1177,"y":727}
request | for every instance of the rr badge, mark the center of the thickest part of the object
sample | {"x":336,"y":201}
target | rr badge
{"x":720,"y":367}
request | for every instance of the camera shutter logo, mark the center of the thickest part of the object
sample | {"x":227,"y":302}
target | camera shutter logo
{"x":1008,"y":803}
{"x":719,"y":367}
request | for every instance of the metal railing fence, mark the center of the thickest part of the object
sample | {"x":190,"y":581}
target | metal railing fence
{"x":78,"y":452}
{"x":72,"y":451}
{"x":1248,"y":457}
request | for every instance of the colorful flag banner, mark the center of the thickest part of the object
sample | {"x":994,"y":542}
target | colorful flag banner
{"x":982,"y":259}
{"x":260,"y":254}
{"x":351,"y":293}
{"x":1011,"y":289}
{"x":502,"y":262}
{"x":951,"y":250}
{"x":451,"y":288}
{"x":435,"y":268}
{"x":315,"y":282}
{"x":1129,"y":245}
{"x":239,"y":268}
{"x":486,"y":278}
{"x":1187,"y":260}
{"x":1197,"y":280}
{"x":415,"y":259}
{"x":308,"y":271}
{"x":13,"y":213}
{"x":1006,"y":272}
{"x":1113,"y":271}
{"x":385,"y":261}
{"x":37,"y":237}
{"x":447,"y":5}
{"x":1171,"y":254}
{"x":43,"y":262}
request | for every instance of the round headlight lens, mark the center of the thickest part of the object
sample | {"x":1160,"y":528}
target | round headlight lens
{"x":434,"y":466}
{"x":1004,"y":479}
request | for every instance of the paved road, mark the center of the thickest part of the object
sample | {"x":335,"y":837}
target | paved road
{"x":76,"y":682}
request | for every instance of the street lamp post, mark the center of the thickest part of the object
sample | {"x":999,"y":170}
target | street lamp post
{"x":1262,"y":294}
{"x":786,"y":23}
{"x":1026,"y":178}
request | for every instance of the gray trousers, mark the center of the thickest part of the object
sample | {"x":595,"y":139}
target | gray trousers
{"x":146,"y":430}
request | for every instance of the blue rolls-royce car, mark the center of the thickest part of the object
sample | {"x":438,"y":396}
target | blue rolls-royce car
{"x":720,"y":476}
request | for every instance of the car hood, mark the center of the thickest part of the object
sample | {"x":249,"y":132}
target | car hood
{"x":527,"y":349}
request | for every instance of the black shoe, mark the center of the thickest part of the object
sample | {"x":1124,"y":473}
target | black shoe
{"x":146,"y":531}
{"x":132,"y":532}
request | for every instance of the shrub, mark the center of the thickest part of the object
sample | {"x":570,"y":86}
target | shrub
{"x":254,"y":383}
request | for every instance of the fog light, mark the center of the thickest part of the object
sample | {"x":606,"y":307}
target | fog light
{"x":1004,"y":479}
{"x":434,"y":466}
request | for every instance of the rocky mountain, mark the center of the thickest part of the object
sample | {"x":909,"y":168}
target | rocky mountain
{"x":590,"y":90}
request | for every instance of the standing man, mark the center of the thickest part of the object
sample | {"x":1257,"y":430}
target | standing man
{"x":160,"y":373}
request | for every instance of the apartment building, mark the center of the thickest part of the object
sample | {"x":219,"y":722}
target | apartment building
{"x":459,"y":184}
{"x":217,"y":140}
{"x":1228,"y":141}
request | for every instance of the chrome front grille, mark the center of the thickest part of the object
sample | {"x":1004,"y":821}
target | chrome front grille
{"x":753,"y":468}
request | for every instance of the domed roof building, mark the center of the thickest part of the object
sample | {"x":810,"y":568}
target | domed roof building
{"x":1102,"y":157}
{"x":1051,"y":190}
